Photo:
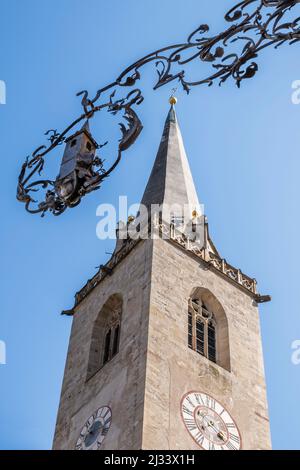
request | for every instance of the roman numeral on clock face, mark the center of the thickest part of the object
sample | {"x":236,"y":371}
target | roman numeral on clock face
{"x":211,"y":403}
{"x":187,"y":411}
{"x":199,"y":399}
{"x":189,"y":400}
{"x":190,"y":424}
{"x":230,"y":446}
{"x":230,"y":425}
{"x":234,"y":438}
{"x":199,"y":438}
{"x":191,"y":427}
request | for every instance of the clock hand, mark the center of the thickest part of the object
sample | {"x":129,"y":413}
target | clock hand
{"x":209,"y":422}
{"x":214,"y":428}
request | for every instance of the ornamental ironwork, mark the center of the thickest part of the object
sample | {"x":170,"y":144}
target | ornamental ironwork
{"x":254,"y":25}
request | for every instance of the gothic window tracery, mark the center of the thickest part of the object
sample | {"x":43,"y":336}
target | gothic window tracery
{"x":208,"y":329}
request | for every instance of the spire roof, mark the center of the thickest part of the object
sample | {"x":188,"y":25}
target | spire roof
{"x":171,"y":181}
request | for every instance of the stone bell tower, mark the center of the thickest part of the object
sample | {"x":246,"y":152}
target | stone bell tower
{"x":165,"y":349}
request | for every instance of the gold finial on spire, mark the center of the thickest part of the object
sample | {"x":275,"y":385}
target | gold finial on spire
{"x":173,"y":99}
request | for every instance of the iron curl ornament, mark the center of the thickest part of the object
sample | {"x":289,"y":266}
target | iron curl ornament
{"x":254,"y":25}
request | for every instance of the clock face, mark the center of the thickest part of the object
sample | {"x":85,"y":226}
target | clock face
{"x":209,"y":423}
{"x":95,"y":429}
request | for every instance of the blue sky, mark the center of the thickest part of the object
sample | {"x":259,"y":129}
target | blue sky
{"x":243,"y":147}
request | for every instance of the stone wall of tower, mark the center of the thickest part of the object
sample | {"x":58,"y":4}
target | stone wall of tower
{"x":145,"y":382}
{"x":120,"y":384}
{"x":173,"y":369}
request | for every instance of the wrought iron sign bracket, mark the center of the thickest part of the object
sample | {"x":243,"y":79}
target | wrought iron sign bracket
{"x":254,"y":26}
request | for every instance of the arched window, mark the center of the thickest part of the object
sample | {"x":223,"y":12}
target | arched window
{"x":208,"y":327}
{"x":106,"y":335}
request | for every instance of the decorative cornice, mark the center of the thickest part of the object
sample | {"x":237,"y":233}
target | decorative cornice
{"x":213,"y":261}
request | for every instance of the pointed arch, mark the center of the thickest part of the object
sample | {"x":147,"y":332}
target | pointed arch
{"x":208,"y":332}
{"x":105,"y":335}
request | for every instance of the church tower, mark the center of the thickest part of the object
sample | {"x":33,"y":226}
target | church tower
{"x":165,"y":349}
